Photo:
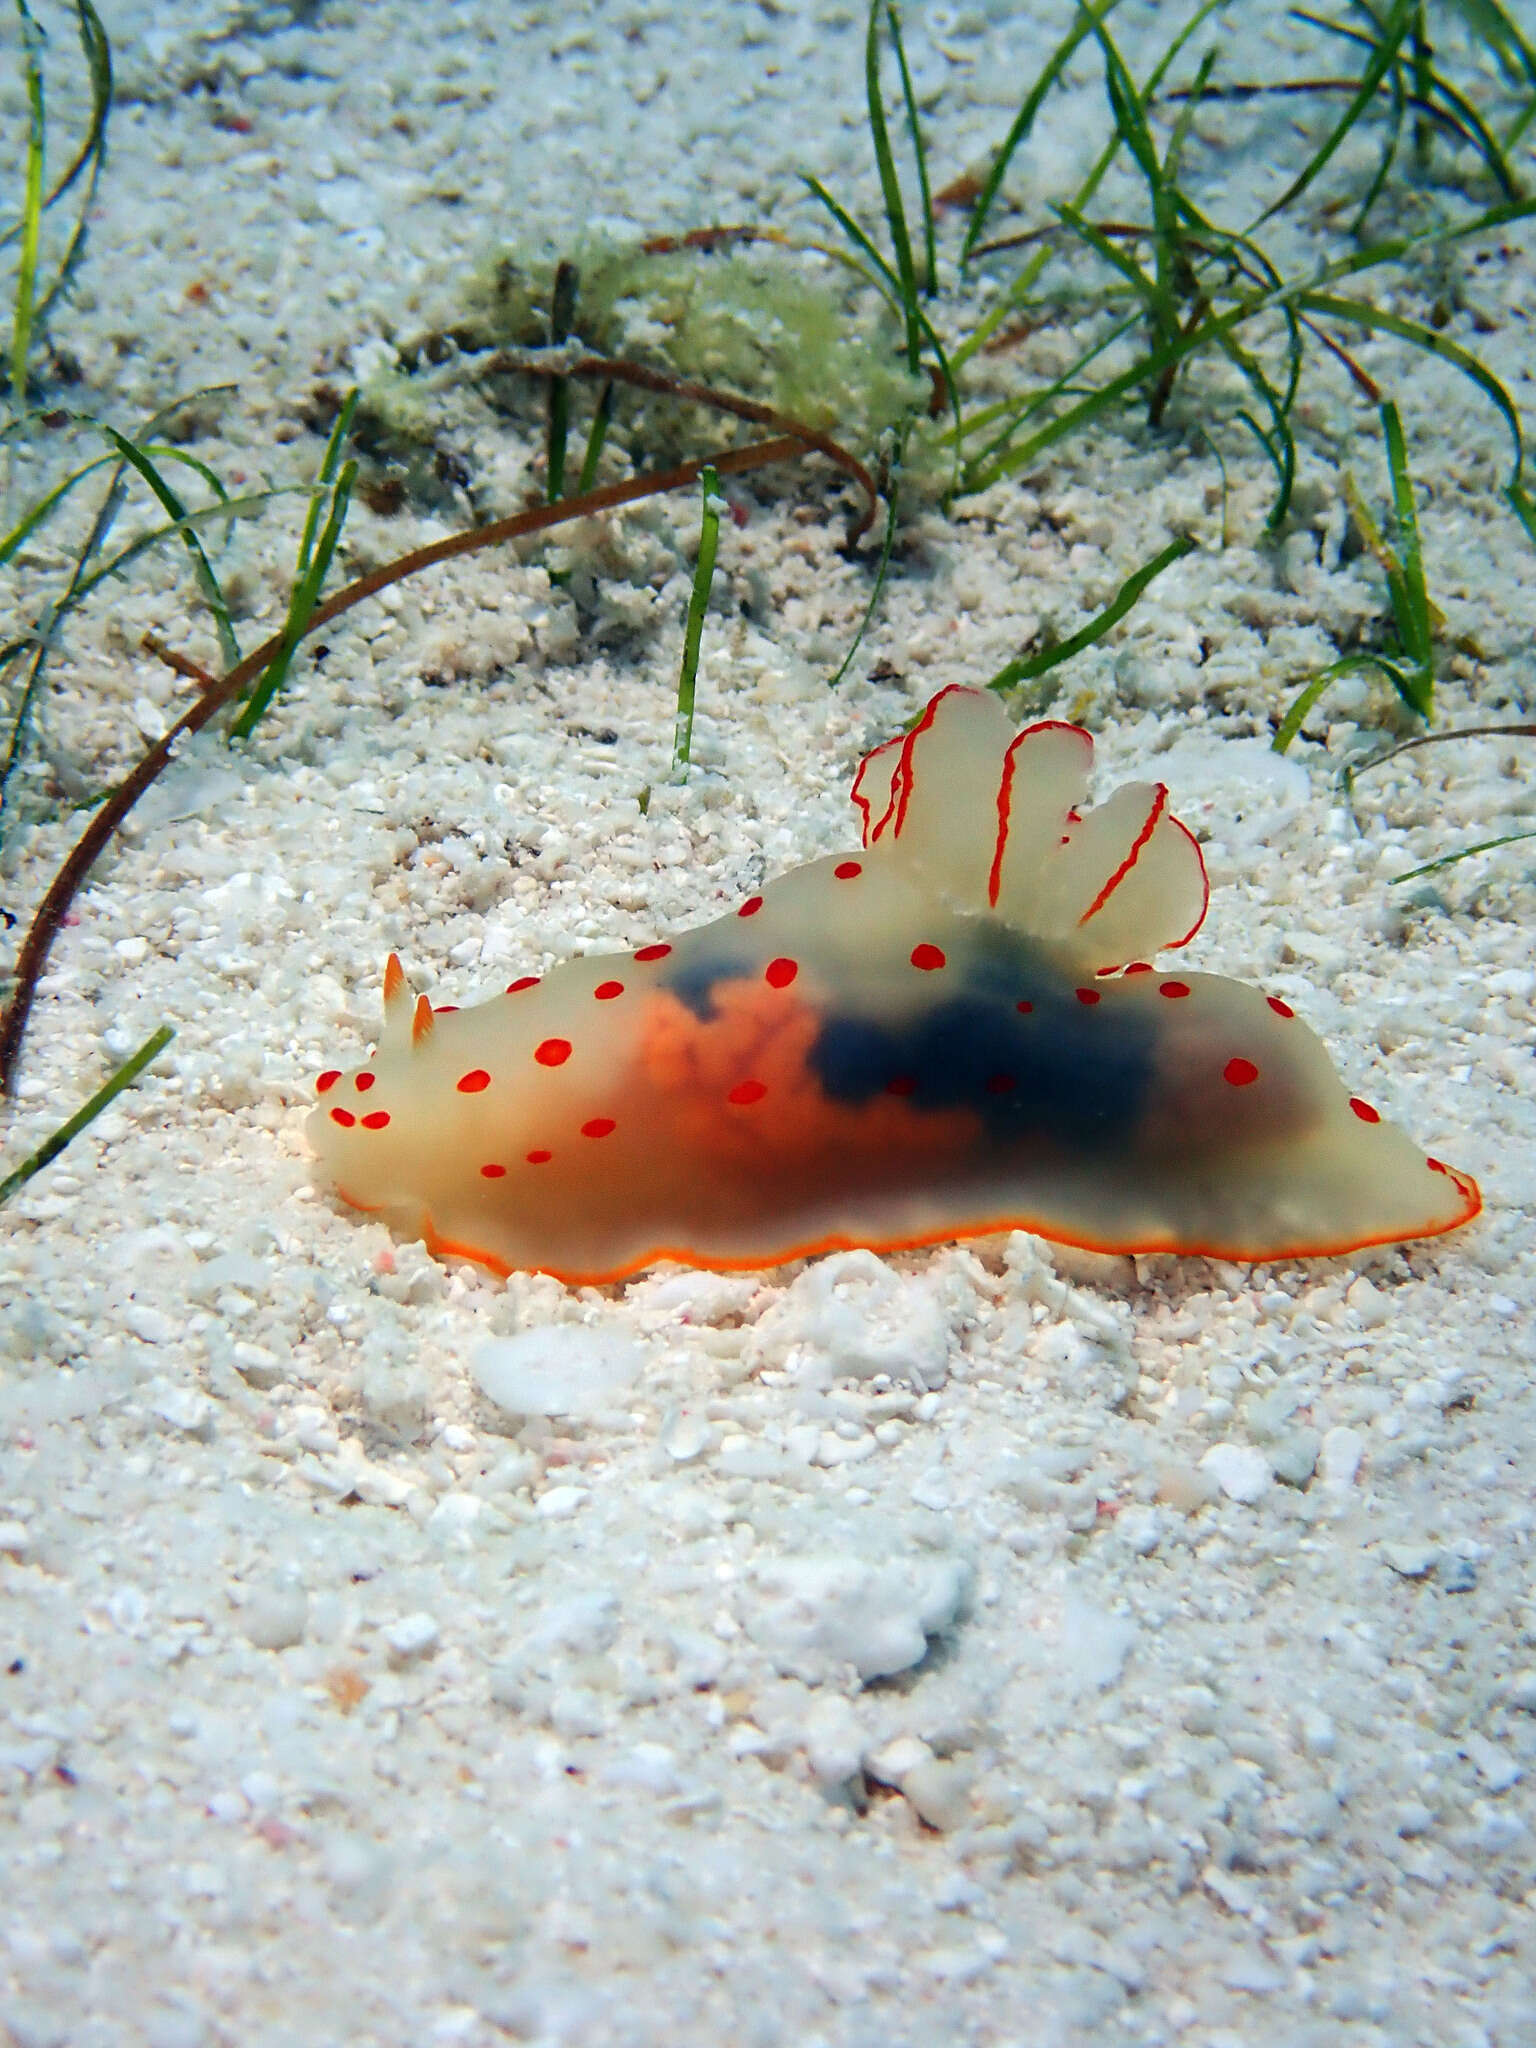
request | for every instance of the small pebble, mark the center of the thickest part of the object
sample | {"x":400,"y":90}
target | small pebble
{"x":939,"y":1793}
{"x":1410,"y":1560}
{"x":1317,"y":1731}
{"x":414,"y":1635}
{"x":1294,"y":1455}
{"x":1338,"y":1459}
{"x":186,"y":1409}
{"x":814,"y":1614}
{"x":15,"y":1538}
{"x":563,"y":1369}
{"x":1370,"y":1303}
{"x":932,"y":1490}
{"x":894,"y":1760}
{"x":1140,"y":1529}
{"x":456,"y":1516}
{"x":1241,"y":1471}
{"x":1495,"y":1766}
{"x":276,"y":1617}
{"x":1185,"y":1487}
{"x":559,"y":1503}
{"x":149,"y":1325}
{"x":834,"y":1741}
{"x":686,"y":1437}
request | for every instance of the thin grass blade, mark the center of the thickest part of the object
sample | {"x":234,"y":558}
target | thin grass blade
{"x":885,"y":279}
{"x":1112,"y":253}
{"x":1383,"y":56}
{"x":340,"y":429}
{"x":693,"y":631}
{"x":1351,"y":664}
{"x":1447,"y":860}
{"x":314,"y":559}
{"x":192,"y":522}
{"x":1470,"y":124}
{"x":892,"y":494}
{"x":1029,"y":666}
{"x":1432,"y":343}
{"x":139,"y":459}
{"x":98,"y":57}
{"x":890,"y":189}
{"x":919,"y":154}
{"x":597,"y":434}
{"x":92,"y":153}
{"x":32,"y":207}
{"x":1024,"y":120}
{"x":110,"y":1089}
{"x":1523,"y":505}
{"x":1410,"y":594}
{"x":562,"y":313}
{"x":302,"y":603}
{"x":38,"y":514}
{"x":1276,"y":440}
{"x":891,"y":286}
{"x":1491,"y":25}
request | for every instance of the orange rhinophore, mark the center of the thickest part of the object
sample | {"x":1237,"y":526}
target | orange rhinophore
{"x":958,"y":1030}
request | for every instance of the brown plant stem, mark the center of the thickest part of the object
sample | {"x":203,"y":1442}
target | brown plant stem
{"x":50,"y":914}
{"x":1435,"y":739}
{"x":617,"y":370}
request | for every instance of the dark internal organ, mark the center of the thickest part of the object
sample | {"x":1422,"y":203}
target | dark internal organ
{"x":742,"y":1117}
{"x":1006,"y":1052}
{"x":1031,"y":1056}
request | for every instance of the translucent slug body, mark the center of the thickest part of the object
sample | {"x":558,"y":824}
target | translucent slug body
{"x":954,"y":1032}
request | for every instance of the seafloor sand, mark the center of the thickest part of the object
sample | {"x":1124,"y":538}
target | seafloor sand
{"x":340,"y":1706}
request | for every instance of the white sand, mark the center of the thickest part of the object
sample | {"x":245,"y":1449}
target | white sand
{"x":984,"y":1645}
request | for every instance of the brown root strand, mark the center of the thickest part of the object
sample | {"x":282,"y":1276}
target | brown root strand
{"x":1435,"y":739}
{"x":218,"y":693}
{"x":709,"y":239}
{"x":182,"y":664}
{"x":619,"y":370}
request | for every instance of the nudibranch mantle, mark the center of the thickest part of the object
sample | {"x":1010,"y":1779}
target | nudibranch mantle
{"x":955,"y":1031}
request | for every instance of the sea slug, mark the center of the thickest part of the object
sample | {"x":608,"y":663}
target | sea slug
{"x":957,"y":1030}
